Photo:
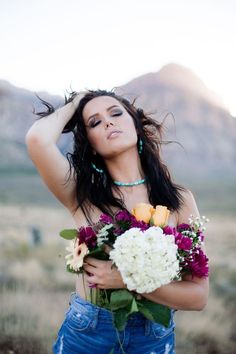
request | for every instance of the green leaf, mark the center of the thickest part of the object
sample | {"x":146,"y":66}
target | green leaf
{"x":69,"y":234}
{"x":120,"y":318}
{"x":151,"y":222}
{"x":71,"y":270}
{"x":121,"y":315}
{"x":99,"y":253}
{"x":134,"y":306}
{"x":120,"y":299}
{"x":155,"y":312}
{"x":146,"y":312}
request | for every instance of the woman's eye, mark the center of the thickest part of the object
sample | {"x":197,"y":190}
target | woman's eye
{"x":116,"y":114}
{"x":94,"y":124}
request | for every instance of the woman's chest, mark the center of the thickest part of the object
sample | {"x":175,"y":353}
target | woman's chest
{"x":95,"y":213}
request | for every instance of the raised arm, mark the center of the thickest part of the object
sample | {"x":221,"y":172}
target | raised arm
{"x":53,"y":167}
{"x":191,"y":293}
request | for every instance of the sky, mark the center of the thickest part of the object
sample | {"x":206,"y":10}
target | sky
{"x":52,"y":45}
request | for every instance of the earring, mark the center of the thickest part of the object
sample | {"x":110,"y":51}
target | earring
{"x":96,"y":169}
{"x":140,"y":149}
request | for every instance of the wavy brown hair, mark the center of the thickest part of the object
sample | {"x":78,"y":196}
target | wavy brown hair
{"x":95,"y":188}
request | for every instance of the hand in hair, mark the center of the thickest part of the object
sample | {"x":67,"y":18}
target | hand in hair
{"x":77,"y":96}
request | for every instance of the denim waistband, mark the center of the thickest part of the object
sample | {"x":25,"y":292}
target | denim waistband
{"x":135,"y":318}
{"x":102,"y":312}
{"x":76,"y":298}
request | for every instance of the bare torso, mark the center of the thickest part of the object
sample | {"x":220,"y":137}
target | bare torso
{"x":130,"y":201}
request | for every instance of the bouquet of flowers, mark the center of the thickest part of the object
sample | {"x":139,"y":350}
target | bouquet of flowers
{"x":147,"y":252}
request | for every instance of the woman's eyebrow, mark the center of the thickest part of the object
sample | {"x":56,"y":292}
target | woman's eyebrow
{"x":108,"y":109}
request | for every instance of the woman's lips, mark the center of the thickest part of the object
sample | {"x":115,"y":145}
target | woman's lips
{"x":113,"y":134}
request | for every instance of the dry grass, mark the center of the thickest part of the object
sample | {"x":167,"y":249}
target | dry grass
{"x":35,"y":287}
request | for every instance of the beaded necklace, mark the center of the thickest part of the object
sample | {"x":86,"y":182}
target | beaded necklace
{"x":129,"y":184}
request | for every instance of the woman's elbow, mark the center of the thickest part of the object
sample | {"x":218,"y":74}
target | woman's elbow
{"x":201,"y":300}
{"x":200,"y":305}
{"x":34,"y":140}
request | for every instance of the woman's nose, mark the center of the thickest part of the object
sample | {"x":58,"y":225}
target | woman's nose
{"x":108,"y":123}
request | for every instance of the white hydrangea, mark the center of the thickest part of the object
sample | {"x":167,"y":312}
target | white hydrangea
{"x":146,"y":259}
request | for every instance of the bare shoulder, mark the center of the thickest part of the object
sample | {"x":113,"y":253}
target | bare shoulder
{"x":189,"y":207}
{"x":80,"y":218}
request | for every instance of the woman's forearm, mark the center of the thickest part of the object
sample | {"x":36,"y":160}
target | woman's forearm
{"x":181,"y":295}
{"x":48,"y":129}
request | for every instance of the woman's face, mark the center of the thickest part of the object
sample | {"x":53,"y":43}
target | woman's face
{"x":110,"y":128}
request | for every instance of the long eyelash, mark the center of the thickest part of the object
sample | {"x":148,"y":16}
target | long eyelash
{"x":116,"y":114}
{"x":94,"y":124}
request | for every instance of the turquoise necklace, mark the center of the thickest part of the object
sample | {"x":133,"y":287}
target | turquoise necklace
{"x":129,"y":184}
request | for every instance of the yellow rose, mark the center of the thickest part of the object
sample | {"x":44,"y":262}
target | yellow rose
{"x":160,"y":216}
{"x":143,"y":212}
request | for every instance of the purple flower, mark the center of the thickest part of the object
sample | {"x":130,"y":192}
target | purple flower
{"x":87,"y":236}
{"x":106,"y":219}
{"x":183,"y":242}
{"x":198,"y":265}
{"x":118,"y":231}
{"x":122,"y":215}
{"x":168,"y":230}
{"x":200,"y":235}
{"x":183,"y":227}
{"x":142,"y":225}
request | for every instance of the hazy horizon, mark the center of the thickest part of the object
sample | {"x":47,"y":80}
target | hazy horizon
{"x":52,"y":45}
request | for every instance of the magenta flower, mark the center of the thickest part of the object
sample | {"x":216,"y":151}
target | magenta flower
{"x":198,"y":265}
{"x":183,"y":242}
{"x":106,"y":219}
{"x":118,"y":231}
{"x":142,"y":225}
{"x":200,"y":235}
{"x":169,"y":230}
{"x":88,"y":236}
{"x":123,"y":215}
{"x":183,"y":227}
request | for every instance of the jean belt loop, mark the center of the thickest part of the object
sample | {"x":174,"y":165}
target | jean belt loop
{"x":72,"y":296}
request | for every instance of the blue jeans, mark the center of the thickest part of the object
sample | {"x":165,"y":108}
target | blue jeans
{"x":88,"y":329}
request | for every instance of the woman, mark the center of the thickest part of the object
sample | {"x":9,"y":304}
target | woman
{"x":115,"y":164}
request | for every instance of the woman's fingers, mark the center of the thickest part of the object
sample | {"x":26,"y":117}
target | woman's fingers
{"x":95,"y":262}
{"x":90,"y":278}
{"x":89,"y":269}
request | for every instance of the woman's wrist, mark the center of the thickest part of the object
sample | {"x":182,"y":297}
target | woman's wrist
{"x":76,"y":100}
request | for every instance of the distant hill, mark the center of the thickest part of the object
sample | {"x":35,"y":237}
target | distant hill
{"x":16,"y":116}
{"x":201,"y":122}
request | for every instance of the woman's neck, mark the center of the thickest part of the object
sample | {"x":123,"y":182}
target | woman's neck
{"x":125,"y":167}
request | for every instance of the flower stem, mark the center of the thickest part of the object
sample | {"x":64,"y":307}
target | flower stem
{"x":85,"y":291}
{"x":118,"y":337}
{"x":97,"y":296}
{"x":93,"y":295}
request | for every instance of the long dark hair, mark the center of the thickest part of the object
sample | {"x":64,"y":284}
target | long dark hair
{"x":95,"y":188}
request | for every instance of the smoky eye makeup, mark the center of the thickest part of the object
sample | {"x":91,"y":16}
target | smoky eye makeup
{"x":116,"y":113}
{"x":96,"y":121}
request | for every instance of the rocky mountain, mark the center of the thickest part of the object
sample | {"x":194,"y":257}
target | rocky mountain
{"x":16,"y":116}
{"x":194,"y":117}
